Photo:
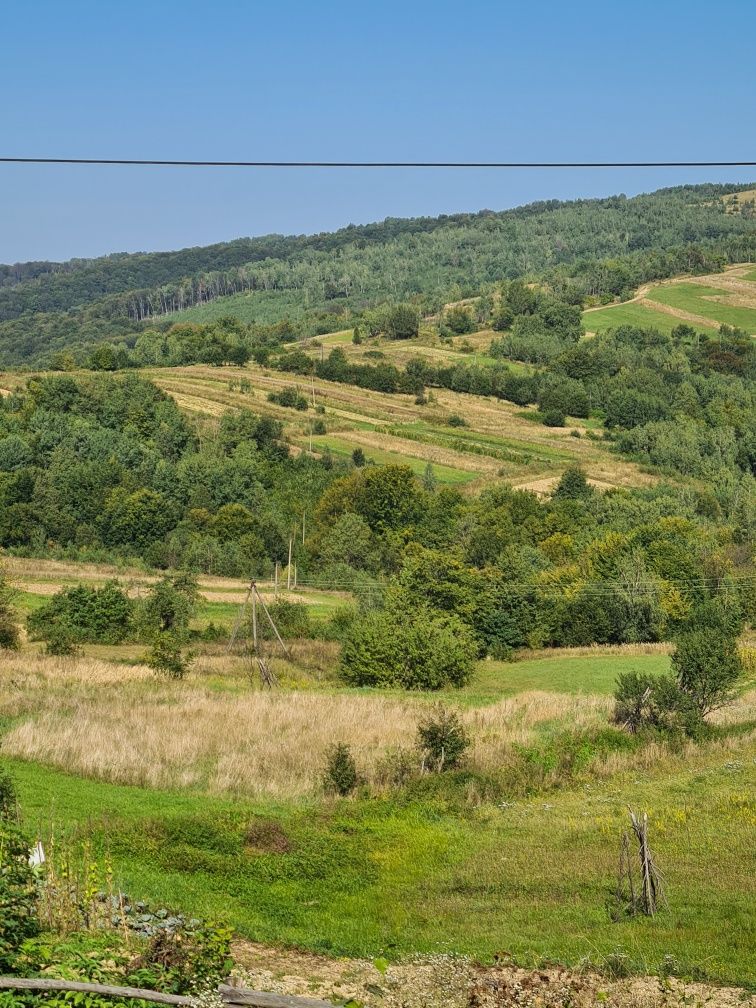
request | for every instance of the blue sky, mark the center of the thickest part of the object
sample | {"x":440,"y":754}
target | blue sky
{"x":406,"y":80}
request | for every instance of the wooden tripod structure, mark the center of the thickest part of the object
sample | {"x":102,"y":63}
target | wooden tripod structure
{"x":253,"y":599}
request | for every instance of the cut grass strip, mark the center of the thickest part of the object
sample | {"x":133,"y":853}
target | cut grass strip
{"x":695,"y":298}
{"x":344,"y":448}
{"x":633,"y":314}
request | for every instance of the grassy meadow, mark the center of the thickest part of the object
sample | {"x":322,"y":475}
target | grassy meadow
{"x":206,"y":795}
{"x":632,"y":313}
{"x":705,"y":302}
{"x":709,"y":302}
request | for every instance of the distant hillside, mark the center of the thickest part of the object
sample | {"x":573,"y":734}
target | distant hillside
{"x":601,"y":247}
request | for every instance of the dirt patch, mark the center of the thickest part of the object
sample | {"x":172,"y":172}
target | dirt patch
{"x":455,"y":982}
{"x":265,"y":836}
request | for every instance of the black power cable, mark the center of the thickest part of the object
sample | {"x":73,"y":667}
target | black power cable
{"x":152,"y":162}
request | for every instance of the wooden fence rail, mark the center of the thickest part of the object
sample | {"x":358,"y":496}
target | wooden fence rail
{"x":231,"y":995}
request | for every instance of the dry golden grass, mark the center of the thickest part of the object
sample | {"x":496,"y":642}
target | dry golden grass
{"x":123,"y":724}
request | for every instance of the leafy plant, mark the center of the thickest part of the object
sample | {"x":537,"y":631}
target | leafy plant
{"x":18,"y":894}
{"x":8,"y":796}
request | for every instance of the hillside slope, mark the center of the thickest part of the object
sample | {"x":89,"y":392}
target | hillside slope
{"x":603,"y":246}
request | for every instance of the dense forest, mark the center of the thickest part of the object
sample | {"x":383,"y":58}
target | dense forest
{"x":600,"y":248}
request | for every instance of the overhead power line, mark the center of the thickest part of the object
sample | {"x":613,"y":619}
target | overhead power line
{"x":158,"y":162}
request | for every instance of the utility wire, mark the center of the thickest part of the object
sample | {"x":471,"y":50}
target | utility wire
{"x":158,"y":162}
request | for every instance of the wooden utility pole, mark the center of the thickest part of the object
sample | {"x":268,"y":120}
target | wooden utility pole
{"x":288,"y":569}
{"x":275,"y":581}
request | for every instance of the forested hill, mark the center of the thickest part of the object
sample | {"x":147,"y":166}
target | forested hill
{"x":602,"y":247}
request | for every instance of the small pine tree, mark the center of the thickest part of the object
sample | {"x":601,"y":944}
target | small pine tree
{"x":429,"y":478}
{"x":340,"y":776}
{"x":442,"y":739}
{"x":358,"y":458}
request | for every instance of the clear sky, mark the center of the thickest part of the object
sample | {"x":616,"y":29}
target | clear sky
{"x":333,"y":80}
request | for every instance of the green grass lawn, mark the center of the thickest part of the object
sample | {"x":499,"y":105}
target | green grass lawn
{"x":632,"y":314}
{"x":692,"y":297}
{"x":368,"y":877}
{"x":580,"y":674}
{"x":750,"y":275}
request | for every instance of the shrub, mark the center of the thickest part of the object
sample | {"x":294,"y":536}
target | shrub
{"x":92,"y":615}
{"x":61,"y":639}
{"x":340,"y":775}
{"x":418,"y":649}
{"x":10,"y":638}
{"x":319,"y":427}
{"x":185,"y":961}
{"x":554,"y":418}
{"x":18,"y":895}
{"x":654,"y":702}
{"x":442,"y":739}
{"x":166,"y":656}
{"x":291,"y":618}
{"x":455,"y":420}
{"x":290,"y":397}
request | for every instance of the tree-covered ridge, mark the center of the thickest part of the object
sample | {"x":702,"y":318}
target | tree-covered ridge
{"x":108,"y":467}
{"x":599,"y":247}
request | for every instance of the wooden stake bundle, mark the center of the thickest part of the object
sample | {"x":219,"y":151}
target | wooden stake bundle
{"x":651,"y":892}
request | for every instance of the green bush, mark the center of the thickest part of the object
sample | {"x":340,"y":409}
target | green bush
{"x":167,"y":657}
{"x":553,"y":418}
{"x":417,"y":649}
{"x":92,"y":615}
{"x":18,"y":895}
{"x":707,"y":666}
{"x":654,"y":702}
{"x":290,"y":397}
{"x":442,"y":739}
{"x":340,"y":775}
{"x":61,"y":639}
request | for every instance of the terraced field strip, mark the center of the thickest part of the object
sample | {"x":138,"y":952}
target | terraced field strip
{"x":700,"y":300}
{"x":399,"y":452}
{"x":638,"y":314}
{"x":494,"y":426}
{"x":36,"y":580}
